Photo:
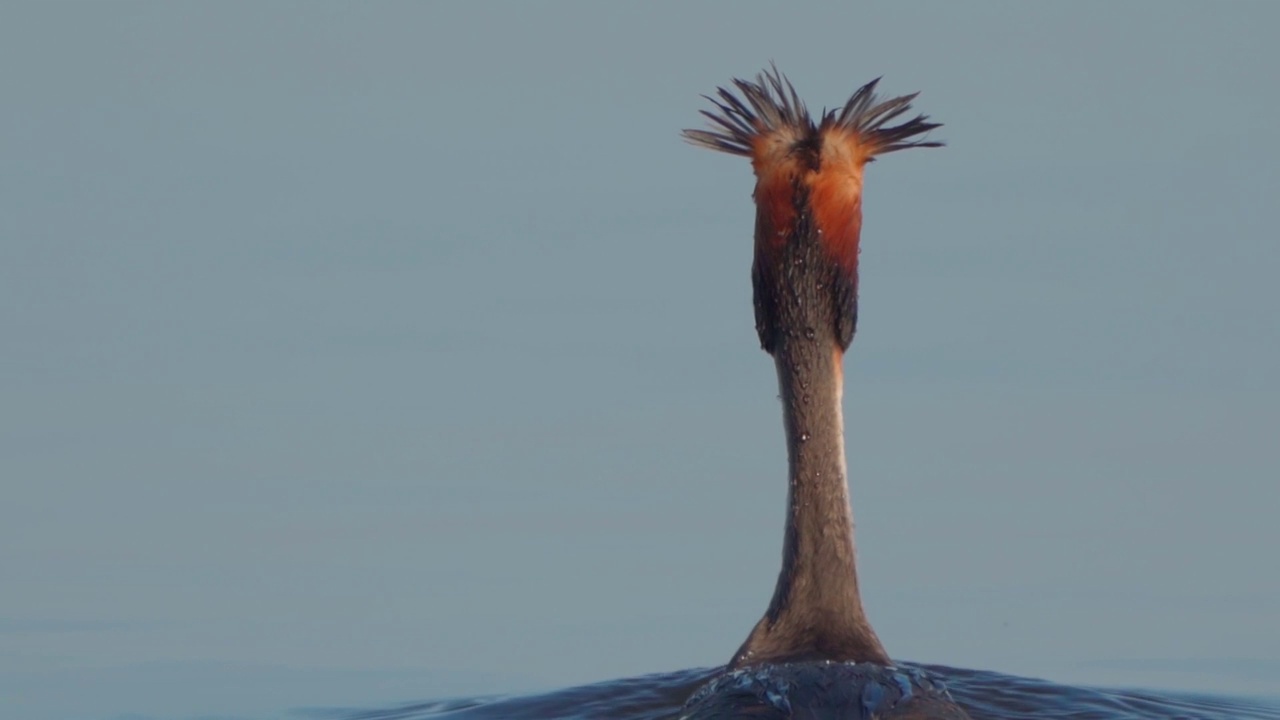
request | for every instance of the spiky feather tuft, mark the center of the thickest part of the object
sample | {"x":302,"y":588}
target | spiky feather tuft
{"x":770,"y":106}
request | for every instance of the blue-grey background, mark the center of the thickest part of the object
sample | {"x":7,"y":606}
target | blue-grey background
{"x":361,"y":353}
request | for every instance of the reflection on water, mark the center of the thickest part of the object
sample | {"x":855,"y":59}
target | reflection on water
{"x":986,"y":695}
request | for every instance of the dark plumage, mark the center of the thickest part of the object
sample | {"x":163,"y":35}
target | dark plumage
{"x":771,"y":104}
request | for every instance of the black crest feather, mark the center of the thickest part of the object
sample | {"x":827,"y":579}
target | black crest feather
{"x":771,"y":104}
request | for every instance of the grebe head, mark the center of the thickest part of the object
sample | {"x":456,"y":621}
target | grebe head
{"x":808,"y":196}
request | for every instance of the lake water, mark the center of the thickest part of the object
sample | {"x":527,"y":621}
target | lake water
{"x":985,"y":695}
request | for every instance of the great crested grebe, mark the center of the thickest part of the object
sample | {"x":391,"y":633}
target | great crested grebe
{"x":813,"y":654}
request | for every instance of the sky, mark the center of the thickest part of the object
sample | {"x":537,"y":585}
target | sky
{"x":359,"y":353}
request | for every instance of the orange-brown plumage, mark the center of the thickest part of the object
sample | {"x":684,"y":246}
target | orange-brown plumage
{"x":777,"y":172}
{"x":808,"y":179}
{"x":788,"y":151}
{"x":835,"y":195}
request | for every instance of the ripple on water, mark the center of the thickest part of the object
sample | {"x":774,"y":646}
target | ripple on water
{"x":985,"y":695}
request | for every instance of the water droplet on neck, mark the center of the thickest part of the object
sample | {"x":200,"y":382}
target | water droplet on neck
{"x":809,"y":333}
{"x":804,"y":437}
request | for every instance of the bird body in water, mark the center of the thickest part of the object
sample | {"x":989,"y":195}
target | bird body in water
{"x":813,"y":654}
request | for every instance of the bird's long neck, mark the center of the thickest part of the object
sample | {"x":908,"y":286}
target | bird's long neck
{"x":808,"y":198}
{"x":806,"y":305}
{"x":816,"y":612}
{"x":818,"y":568}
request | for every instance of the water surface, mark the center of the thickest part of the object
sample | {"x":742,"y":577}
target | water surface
{"x":985,"y":695}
